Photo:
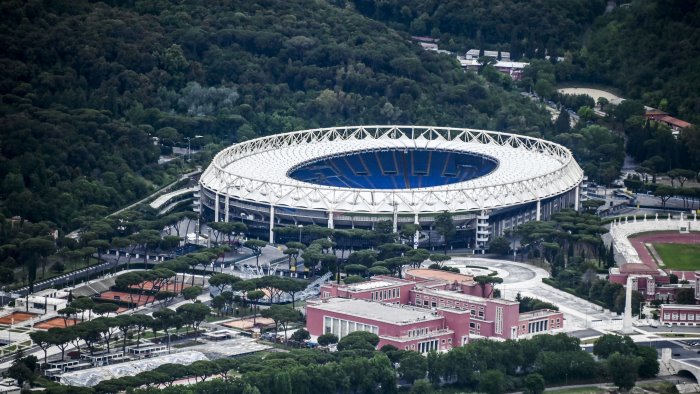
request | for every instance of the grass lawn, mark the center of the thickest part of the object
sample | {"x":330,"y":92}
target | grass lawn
{"x":683,"y":257}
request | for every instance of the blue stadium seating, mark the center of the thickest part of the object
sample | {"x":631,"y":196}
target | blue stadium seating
{"x":395,"y":169}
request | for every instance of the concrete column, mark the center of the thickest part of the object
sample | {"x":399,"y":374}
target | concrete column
{"x":395,"y":221}
{"x":538,"y":216}
{"x":216,"y":207}
{"x":330,"y":219}
{"x":272,"y":223}
{"x":576,"y":197}
{"x":627,"y":321}
{"x":416,"y":237}
{"x":226,"y":210}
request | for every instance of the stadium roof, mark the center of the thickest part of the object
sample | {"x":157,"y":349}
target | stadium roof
{"x":528,"y":169}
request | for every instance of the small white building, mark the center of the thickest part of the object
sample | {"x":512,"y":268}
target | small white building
{"x":40,"y":304}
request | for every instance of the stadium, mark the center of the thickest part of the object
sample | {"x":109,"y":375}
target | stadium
{"x":354,"y":176}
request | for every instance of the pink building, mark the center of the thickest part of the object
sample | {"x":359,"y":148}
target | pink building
{"x":682,"y":315}
{"x":430,"y":310}
{"x":653,"y":283}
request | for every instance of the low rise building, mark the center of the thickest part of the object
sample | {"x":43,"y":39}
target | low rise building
{"x":681,"y":315}
{"x":428,"y":310}
{"x":40,"y":304}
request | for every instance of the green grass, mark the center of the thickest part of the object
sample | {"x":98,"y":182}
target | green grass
{"x":684,"y":257}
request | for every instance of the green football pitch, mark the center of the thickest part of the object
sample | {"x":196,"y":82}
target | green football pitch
{"x":682,"y":257}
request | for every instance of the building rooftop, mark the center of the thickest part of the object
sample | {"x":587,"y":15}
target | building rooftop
{"x":370,"y":285}
{"x":465,"y":297}
{"x":394,"y":314}
{"x":679,"y":306}
{"x":433,"y":274}
{"x":537,"y":314}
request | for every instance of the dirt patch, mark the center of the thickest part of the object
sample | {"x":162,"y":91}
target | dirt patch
{"x":247,"y":324}
{"x":56,"y":322}
{"x":16,"y":317}
{"x":595,"y":93}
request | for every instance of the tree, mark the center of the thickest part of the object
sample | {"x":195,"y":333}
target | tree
{"x":664,"y":193}
{"x":358,"y":340}
{"x":282,"y":316}
{"x":220,"y":281}
{"x":43,"y":339}
{"x":124,"y":324}
{"x":492,"y":382}
{"x":105,"y":308}
{"x":22,"y":371}
{"x":499,"y":246}
{"x":256,"y":246}
{"x":327,"y":339}
{"x":218,"y":303}
{"x":484,"y":280}
{"x":66,"y":314}
{"x":100,"y":246}
{"x":439,"y":259}
{"x":141,"y":322}
{"x":608,"y":344}
{"x":623,"y":370}
{"x":409,"y":231}
{"x":194,"y":314}
{"x":255,"y":296}
{"x":534,"y":384}
{"x":61,"y":338}
{"x":421,"y":387}
{"x":148,"y":239}
{"x":191,"y":293}
{"x":300,"y":335}
{"x":83,"y":304}
{"x":685,"y":296}
{"x":563,"y":122}
{"x":292,"y":287}
{"x":445,"y":226}
{"x":649,"y":362}
{"x":417,"y":256}
{"x":412,"y":366}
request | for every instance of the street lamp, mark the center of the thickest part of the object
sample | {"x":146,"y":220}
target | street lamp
{"x":300,"y":227}
{"x":189,"y":150}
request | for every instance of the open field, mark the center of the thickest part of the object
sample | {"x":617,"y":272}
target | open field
{"x":682,"y":257}
{"x":595,"y":93}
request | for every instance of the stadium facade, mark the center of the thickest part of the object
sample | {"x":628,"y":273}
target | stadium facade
{"x":352,"y":177}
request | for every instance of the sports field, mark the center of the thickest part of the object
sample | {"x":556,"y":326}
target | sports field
{"x":682,"y":257}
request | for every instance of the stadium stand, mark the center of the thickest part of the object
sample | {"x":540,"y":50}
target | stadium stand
{"x":394,"y":169}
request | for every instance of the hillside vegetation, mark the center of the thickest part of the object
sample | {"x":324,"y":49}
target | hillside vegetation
{"x":84,"y":88}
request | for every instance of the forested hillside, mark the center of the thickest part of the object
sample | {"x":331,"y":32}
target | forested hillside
{"x":524,"y":27}
{"x":648,"y":49}
{"x":651,"y":51}
{"x":84,"y":87}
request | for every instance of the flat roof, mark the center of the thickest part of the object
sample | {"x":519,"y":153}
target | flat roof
{"x":372,"y":284}
{"x":464,"y":297}
{"x":376,"y":310}
{"x":537,"y":314}
{"x":427,"y":273}
{"x":680,"y":306}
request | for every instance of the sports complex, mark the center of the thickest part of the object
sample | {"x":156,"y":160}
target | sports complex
{"x":354,"y":176}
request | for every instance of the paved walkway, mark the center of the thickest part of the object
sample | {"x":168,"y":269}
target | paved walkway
{"x":527,"y":280}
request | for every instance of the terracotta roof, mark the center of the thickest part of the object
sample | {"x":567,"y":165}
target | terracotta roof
{"x":675,"y":122}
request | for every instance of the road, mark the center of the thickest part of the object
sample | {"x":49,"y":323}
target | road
{"x":527,"y":280}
